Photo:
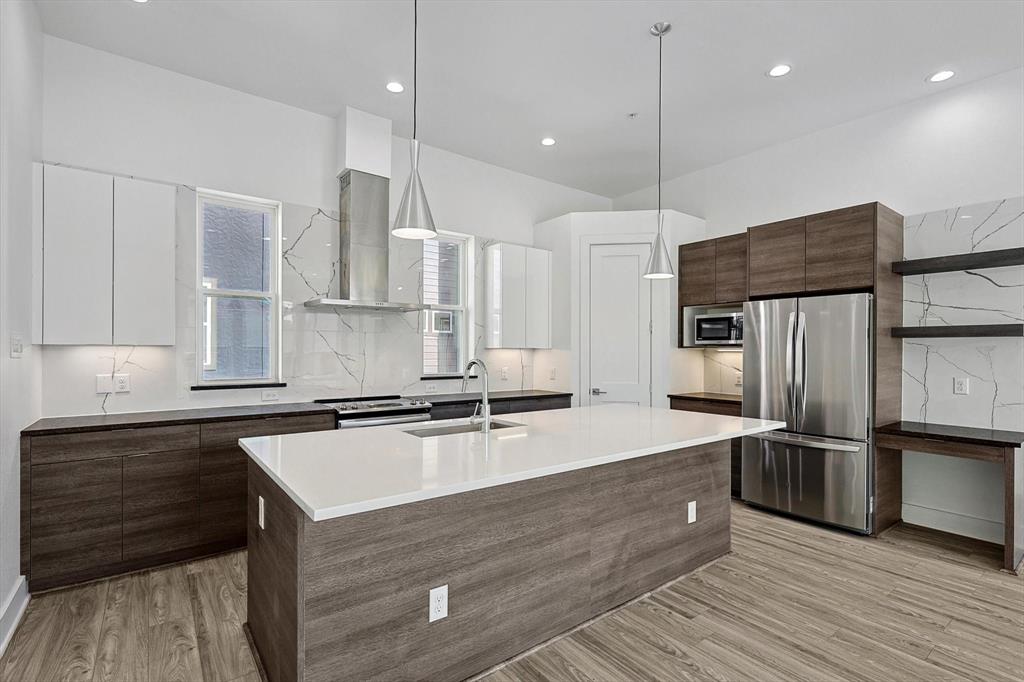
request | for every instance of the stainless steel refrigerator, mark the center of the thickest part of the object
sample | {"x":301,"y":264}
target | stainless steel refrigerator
{"x":808,"y":362}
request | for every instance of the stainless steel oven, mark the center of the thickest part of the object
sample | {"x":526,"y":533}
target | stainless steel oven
{"x":718,"y":329}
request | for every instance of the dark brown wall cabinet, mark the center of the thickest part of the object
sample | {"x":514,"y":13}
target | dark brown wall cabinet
{"x":105,"y":501}
{"x":830,"y":251}
{"x":713,"y":271}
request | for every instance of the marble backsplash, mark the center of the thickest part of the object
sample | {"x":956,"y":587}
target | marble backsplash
{"x":323,"y":354}
{"x":723,"y":371}
{"x":958,"y":495}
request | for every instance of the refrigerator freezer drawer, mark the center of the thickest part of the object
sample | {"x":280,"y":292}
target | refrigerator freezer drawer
{"x":824,"y":479}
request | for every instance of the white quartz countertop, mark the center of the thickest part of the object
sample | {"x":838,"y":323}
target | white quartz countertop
{"x":336,"y":473}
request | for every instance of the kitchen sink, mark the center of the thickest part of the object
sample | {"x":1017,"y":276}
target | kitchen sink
{"x":465,"y":427}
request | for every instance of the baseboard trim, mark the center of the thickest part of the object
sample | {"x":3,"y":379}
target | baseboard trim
{"x":12,"y":611}
{"x":952,"y":522}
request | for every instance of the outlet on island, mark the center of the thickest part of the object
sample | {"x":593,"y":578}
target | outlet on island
{"x":438,"y":603}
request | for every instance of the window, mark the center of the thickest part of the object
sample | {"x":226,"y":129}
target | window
{"x":446,"y":289}
{"x":238,"y":289}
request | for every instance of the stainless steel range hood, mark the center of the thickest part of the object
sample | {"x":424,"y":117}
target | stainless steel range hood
{"x":363,"y":236}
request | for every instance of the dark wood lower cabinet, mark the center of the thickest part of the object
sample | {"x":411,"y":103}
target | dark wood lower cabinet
{"x":75,"y":519}
{"x":466,"y":409}
{"x":161,"y":503}
{"x":222,"y":500}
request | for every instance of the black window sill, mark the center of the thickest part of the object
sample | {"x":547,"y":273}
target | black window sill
{"x":224,"y":387}
{"x":445,"y":377}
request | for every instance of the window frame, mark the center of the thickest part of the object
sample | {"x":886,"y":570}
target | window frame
{"x":204,"y":196}
{"x":467,"y":287}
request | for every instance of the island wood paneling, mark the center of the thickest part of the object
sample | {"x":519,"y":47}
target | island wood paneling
{"x":523,"y":562}
{"x":731,"y":269}
{"x":775,"y":258}
{"x":76,"y":519}
{"x":697,"y":273}
{"x":161,"y":503}
{"x":840,"y":252}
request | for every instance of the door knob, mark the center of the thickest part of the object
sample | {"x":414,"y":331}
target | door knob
{"x":597,"y":391}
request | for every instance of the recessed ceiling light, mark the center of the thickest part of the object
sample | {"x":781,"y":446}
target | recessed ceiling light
{"x":547,"y":141}
{"x":940,"y":76}
{"x":779,"y":70}
{"x":395,"y":87}
{"x":141,"y":1}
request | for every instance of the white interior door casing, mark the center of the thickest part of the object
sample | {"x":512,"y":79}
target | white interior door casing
{"x":617,"y":324}
{"x":143,"y":263}
{"x":77,"y":260}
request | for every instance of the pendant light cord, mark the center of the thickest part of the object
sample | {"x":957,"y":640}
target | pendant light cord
{"x":660,"y":38}
{"x":415,"y":55}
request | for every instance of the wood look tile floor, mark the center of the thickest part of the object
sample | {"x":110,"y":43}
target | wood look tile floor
{"x":791,"y":602}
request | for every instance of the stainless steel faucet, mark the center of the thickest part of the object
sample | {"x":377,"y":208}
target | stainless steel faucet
{"x":485,"y":426}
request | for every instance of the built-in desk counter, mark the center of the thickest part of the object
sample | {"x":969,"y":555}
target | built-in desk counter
{"x":957,"y":441}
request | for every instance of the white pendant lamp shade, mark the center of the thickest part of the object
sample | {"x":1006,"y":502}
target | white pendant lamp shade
{"x":659,"y":266}
{"x":413,"y":220}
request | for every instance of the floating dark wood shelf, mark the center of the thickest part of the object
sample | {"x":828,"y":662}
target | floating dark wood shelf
{"x":958,"y":330}
{"x":964,"y":261}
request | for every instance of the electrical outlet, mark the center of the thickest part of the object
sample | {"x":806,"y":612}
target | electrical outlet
{"x":17,"y":346}
{"x":261,"y":514}
{"x":554,"y":374}
{"x":269,"y":396}
{"x":961,"y":386}
{"x":691,"y":511}
{"x":438,"y":603}
{"x":430,"y":388}
{"x":504,"y":373}
{"x":739,"y":379}
{"x":122,"y":383}
{"x":104,"y":383}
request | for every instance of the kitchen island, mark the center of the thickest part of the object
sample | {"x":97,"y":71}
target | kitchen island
{"x":534,"y":528}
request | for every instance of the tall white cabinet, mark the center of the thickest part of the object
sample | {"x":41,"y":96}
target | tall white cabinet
{"x":518,"y":297}
{"x":105,"y":261}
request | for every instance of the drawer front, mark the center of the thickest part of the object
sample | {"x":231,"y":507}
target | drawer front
{"x":69,"y":447}
{"x":218,"y":434}
{"x":76,"y":520}
{"x":161,"y":503}
{"x":451,"y":411}
{"x":536,"y":404}
{"x":707,"y":406}
{"x":222,"y":496}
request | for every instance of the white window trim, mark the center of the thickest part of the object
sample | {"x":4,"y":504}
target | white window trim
{"x":242,"y":201}
{"x":467,"y":307}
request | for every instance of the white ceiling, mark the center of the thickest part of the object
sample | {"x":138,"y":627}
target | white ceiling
{"x":497,"y":75}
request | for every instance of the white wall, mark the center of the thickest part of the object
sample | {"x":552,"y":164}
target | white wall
{"x":21,"y":58}
{"x":962,"y":146}
{"x":109,"y":113}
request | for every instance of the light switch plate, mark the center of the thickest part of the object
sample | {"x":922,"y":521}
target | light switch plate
{"x":104,"y":383}
{"x":122,"y":383}
{"x":504,"y":373}
{"x":554,"y":373}
{"x":691,"y":511}
{"x":430,"y":388}
{"x":17,"y":346}
{"x":438,"y":603}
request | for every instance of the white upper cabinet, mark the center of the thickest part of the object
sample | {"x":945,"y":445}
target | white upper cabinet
{"x":77,"y":259}
{"x":518,"y":297}
{"x":106,"y":258}
{"x":538,"y":298}
{"x":143,"y":263}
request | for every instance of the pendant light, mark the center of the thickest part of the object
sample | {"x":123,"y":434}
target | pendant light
{"x":413,"y":220}
{"x":660,"y":264}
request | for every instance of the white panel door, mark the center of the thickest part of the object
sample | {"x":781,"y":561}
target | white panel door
{"x":78,"y":233}
{"x":538,"y":298}
{"x":618,"y":325}
{"x":143,"y":263}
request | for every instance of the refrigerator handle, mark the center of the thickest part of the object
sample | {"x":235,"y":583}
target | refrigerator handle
{"x":790,"y":349}
{"x":800,"y":370}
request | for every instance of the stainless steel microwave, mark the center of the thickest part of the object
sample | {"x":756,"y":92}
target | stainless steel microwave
{"x":718,"y":329}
